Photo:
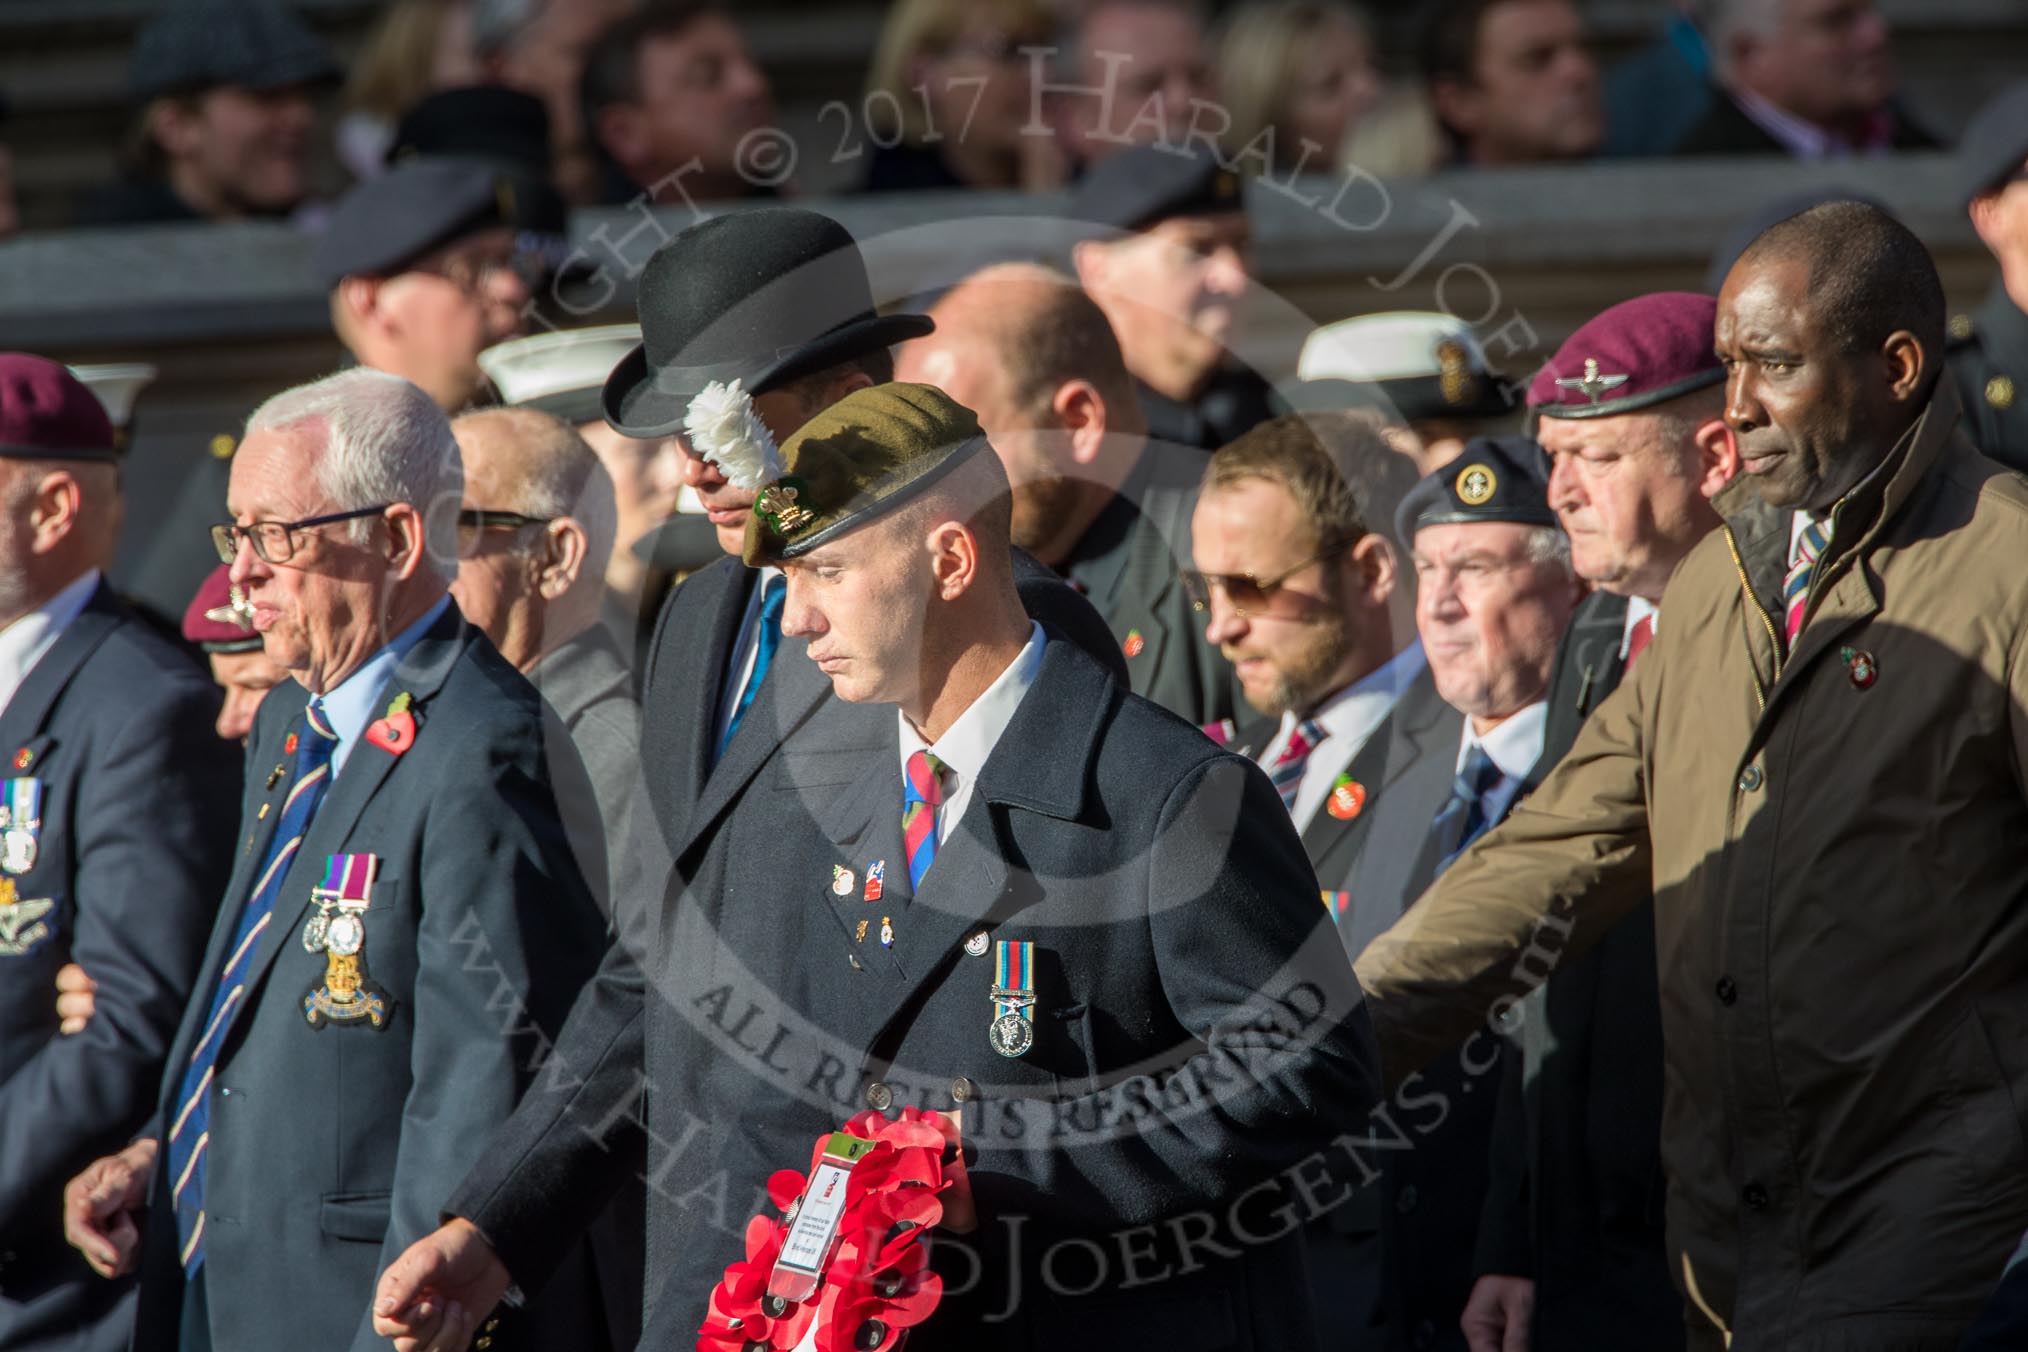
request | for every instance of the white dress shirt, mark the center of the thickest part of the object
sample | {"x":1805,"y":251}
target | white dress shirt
{"x":26,"y":641}
{"x":969,"y":741}
{"x":1639,"y":609}
{"x":1349,"y":719}
{"x":1515,"y":745}
{"x":745,"y":649}
{"x":355,"y":701}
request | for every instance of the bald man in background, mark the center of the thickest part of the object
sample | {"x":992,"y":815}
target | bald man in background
{"x":1031,"y":354}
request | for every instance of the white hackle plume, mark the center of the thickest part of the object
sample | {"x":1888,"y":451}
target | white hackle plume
{"x":724,"y":429}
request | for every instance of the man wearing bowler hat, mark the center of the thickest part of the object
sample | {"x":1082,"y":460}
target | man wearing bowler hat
{"x":1632,"y":415}
{"x":116,"y":826}
{"x":752,"y":324}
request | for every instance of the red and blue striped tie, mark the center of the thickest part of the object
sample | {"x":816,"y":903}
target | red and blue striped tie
{"x":1796,"y":586}
{"x":190,"y":1129}
{"x":922,"y":796}
{"x":1287,"y":771}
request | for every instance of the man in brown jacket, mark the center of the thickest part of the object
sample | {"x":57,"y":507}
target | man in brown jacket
{"x":1818,"y":770}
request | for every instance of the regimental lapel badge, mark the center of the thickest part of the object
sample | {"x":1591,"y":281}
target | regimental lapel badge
{"x":347,"y":994}
{"x":841,"y":881}
{"x":1591,"y":385}
{"x":20,"y":824}
{"x":886,"y":932}
{"x":394,"y":731}
{"x":1859,"y":664}
{"x":1347,"y":800}
{"x":876,"y":880}
{"x":23,"y":924}
{"x":1134,"y":645}
{"x":1013,"y":1029}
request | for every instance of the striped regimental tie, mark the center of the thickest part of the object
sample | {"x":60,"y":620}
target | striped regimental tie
{"x":922,"y":797}
{"x":1796,"y":585}
{"x":189,"y":1130}
{"x":1287,"y":771}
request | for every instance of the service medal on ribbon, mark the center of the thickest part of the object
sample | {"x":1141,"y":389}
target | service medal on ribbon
{"x":18,"y":842}
{"x":1013,"y":1030}
{"x":347,"y":994}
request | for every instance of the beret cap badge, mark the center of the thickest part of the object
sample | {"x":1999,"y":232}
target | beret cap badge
{"x":776,"y":505}
{"x":1477,"y":484}
{"x":1591,"y":384}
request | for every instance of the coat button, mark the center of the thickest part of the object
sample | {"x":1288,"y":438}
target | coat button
{"x":1727,"y":990}
{"x":1749,"y":779}
{"x":1408,"y":1200}
{"x":879,"y":1097}
{"x":225,"y":1091}
{"x":1755,"y":1197}
{"x":963,"y":1090}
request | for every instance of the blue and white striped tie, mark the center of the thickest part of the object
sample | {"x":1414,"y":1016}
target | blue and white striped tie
{"x":189,"y":1130}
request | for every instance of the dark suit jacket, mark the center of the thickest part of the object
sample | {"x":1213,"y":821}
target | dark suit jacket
{"x":1726,"y":130}
{"x":1233,"y":402}
{"x":137,"y":794}
{"x":570,"y":1146}
{"x":334,"y":1148}
{"x":1129,"y":564}
{"x":1163,"y":890}
{"x":1426,"y":1204}
{"x":1576,"y":1196}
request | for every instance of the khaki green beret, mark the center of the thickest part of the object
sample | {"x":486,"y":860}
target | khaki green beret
{"x":863,"y":457}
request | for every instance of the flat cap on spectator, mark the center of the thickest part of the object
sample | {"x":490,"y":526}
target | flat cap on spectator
{"x":1493,"y":479}
{"x":46,"y":413}
{"x":202,"y":44}
{"x":218,"y":619}
{"x":1643,"y":351}
{"x":563,"y":372}
{"x":386,"y":223}
{"x":858,"y":460}
{"x":1145,"y":185}
{"x":1416,"y":365}
{"x":1995,"y":144}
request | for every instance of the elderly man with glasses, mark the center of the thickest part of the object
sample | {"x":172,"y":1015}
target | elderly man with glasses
{"x":426,"y":269}
{"x":404,"y":928}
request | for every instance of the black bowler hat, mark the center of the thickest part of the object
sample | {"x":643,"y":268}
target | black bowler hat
{"x":1492,"y":479}
{"x":1995,"y":144}
{"x":760,"y":296}
{"x":386,"y":223}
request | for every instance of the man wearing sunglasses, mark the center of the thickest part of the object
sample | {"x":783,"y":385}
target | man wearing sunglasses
{"x":404,"y":928}
{"x":426,"y":271}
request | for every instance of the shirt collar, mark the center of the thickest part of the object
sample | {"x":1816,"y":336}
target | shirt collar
{"x":26,"y":641}
{"x":350,"y":707}
{"x":1515,"y":745}
{"x":1638,"y":609}
{"x":970,"y":739}
{"x":1354,"y":712}
{"x":1807,"y":140}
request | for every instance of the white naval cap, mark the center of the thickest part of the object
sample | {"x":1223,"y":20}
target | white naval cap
{"x":117,"y":385}
{"x":561,"y":372}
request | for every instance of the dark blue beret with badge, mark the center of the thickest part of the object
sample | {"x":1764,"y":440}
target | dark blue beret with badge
{"x":1493,"y":479}
{"x":1146,"y":185}
{"x":206,"y":44}
{"x":386,"y":223}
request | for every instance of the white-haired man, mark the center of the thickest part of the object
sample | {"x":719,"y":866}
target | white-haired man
{"x":403,"y":931}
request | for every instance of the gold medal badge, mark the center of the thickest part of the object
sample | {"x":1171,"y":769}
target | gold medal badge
{"x":347,"y":993}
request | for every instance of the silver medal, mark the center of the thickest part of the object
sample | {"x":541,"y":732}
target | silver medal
{"x":347,"y":934}
{"x":17,"y":850}
{"x":316,"y":930}
{"x":1011,"y":1035}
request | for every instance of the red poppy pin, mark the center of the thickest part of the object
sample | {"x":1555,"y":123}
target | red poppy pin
{"x":1860,"y":665}
{"x":1134,"y":644}
{"x":394,"y":731}
{"x":1348,"y":798}
{"x":23,"y":758}
{"x":289,"y":745}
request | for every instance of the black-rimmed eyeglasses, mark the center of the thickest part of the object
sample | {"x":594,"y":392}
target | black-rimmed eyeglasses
{"x":275,"y":541}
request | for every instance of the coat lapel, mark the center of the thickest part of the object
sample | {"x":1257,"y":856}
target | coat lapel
{"x":421,"y":673}
{"x":1041,"y":764}
{"x":1331,"y":840}
{"x":791,"y":691}
{"x":864,"y":826}
{"x":21,"y":722}
{"x":729,"y":586}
